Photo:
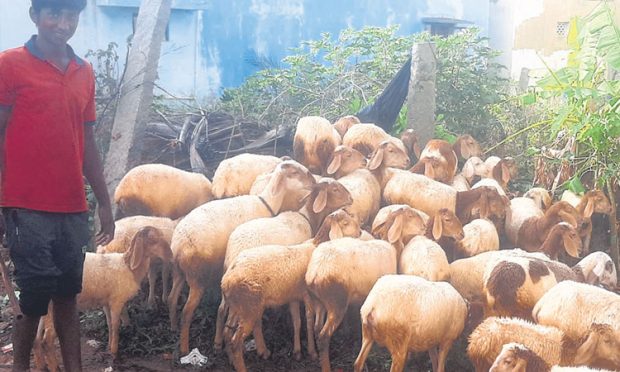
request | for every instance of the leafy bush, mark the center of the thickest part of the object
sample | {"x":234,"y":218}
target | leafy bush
{"x":332,"y":78}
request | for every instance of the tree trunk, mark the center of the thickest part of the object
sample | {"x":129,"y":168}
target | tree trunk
{"x":421,"y":99}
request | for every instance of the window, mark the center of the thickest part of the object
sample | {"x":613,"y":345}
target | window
{"x":443,"y":26}
{"x":135,"y":20}
{"x":561,"y":29}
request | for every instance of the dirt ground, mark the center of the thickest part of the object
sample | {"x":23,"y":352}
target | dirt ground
{"x":149,"y":345}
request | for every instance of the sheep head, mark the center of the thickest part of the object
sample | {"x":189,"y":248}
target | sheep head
{"x":388,"y":155}
{"x":596,"y":202}
{"x":474,"y":166}
{"x":599,"y":269}
{"x":562,"y":212}
{"x":518,"y":358}
{"x":541,"y":196}
{"x":337,"y":225}
{"x":343,"y":124}
{"x":571,"y":241}
{"x":491,"y":203}
{"x":410,"y":140}
{"x":445,"y":223}
{"x":601,"y":345}
{"x":505,"y":170}
{"x":466,"y":146}
{"x":400,"y":225}
{"x":148,"y":242}
{"x":292,"y":180}
{"x":345,"y":160}
{"x":327,"y":196}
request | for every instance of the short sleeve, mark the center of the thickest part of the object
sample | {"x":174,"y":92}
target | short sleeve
{"x":90,"y":112}
{"x":7,"y":92}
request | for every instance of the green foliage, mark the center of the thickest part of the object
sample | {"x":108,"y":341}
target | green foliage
{"x":105,"y":65}
{"x":583,"y":103}
{"x":334,"y":77}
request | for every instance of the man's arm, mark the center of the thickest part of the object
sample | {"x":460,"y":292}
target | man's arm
{"x":93,"y":171}
{"x":5,"y":112}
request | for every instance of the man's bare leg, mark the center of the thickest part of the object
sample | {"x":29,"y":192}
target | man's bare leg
{"x":24,"y":332}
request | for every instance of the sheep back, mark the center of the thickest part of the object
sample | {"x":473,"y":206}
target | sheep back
{"x":419,"y":192}
{"x":424,"y":258}
{"x":235,"y":176}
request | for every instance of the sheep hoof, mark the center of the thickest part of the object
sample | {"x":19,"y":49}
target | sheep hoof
{"x":265,"y":354}
{"x":297,"y":355}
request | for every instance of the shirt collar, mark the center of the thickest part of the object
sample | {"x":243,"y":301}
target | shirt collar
{"x":34,"y":50}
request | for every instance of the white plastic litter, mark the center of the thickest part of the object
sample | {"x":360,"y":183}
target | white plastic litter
{"x":250,"y":345}
{"x":194,"y":358}
{"x":93,"y":343}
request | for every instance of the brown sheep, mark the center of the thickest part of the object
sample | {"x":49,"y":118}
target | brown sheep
{"x":437,"y":161}
{"x":314,"y":142}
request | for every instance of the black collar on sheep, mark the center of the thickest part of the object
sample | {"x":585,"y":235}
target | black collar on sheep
{"x":266,"y":205}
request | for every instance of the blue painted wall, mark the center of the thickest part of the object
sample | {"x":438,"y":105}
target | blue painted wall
{"x":209,"y":40}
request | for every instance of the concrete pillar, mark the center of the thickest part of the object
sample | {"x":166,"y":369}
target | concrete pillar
{"x":136,"y":93}
{"x":421,"y":98}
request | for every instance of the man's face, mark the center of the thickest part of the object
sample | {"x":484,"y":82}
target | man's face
{"x":56,"y":26}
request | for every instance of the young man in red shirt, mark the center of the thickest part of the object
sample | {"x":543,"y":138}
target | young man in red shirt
{"x":47,"y":112}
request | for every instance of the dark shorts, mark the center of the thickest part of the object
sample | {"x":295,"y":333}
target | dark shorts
{"x":47,"y":252}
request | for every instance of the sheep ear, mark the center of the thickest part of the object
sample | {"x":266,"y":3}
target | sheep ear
{"x":599,"y":269}
{"x":277,"y":183}
{"x":137,"y":247}
{"x":588,"y":347}
{"x":417,"y":150}
{"x":505,"y":174}
{"x":567,"y":217}
{"x":589,"y":210}
{"x":379,"y":230}
{"x":437,"y":227}
{"x":484,"y":205}
{"x":395,"y":232}
{"x":334,"y":165}
{"x":571,"y":246}
{"x":320,"y":202}
{"x":323,"y":234}
{"x":429,"y":171}
{"x":465,"y":150}
{"x":468,"y":170}
{"x":376,"y":160}
{"x":335,"y":232}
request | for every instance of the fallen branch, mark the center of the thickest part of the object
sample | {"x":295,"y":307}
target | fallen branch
{"x":6,"y":281}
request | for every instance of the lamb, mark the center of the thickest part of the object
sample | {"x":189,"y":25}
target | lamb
{"x":593,"y":201}
{"x":110,"y":280}
{"x":343,"y":124}
{"x":125,"y":229}
{"x":199,"y":240}
{"x":480,"y":235}
{"x":366,"y":138}
{"x":434,"y":319}
{"x":550,"y":343}
{"x":270,"y":276}
{"x":541,"y":196}
{"x":466,"y":147}
{"x":160,"y":190}
{"x":512,"y":285}
{"x":430,"y":196}
{"x":342,"y":272}
{"x":575,"y":308}
{"x":527,"y":226}
{"x":315,"y":140}
{"x":516,"y":357}
{"x":234,"y":176}
{"x":437,"y":161}
{"x":287,"y":228}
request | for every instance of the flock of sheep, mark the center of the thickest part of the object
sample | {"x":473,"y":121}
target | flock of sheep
{"x":347,"y":223}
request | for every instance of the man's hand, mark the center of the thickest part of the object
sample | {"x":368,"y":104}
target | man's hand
{"x":106,"y":234}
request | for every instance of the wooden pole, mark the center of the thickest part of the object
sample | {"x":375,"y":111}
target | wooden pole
{"x":421,"y":98}
{"x":6,"y":281}
{"x":136,"y":93}
{"x":614,"y":247}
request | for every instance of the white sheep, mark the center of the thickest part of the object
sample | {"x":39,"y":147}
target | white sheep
{"x":314,"y":142}
{"x":342,"y":272}
{"x":424,"y":258}
{"x":406,"y":313}
{"x":541,"y":196}
{"x":515,"y":357}
{"x":550,"y":343}
{"x":575,"y":308}
{"x":480,"y":235}
{"x":270,"y":276}
{"x":473,"y":167}
{"x":199,"y":240}
{"x":110,"y":280}
{"x":161,"y":190}
{"x":343,"y":124}
{"x":398,"y":223}
{"x":125,"y":229}
{"x":235,"y":176}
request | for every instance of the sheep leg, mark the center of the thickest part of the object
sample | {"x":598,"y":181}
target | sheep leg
{"x":125,"y":317}
{"x":165,"y":280}
{"x":173,"y":297}
{"x":443,"y":355}
{"x":259,"y":339}
{"x":152,"y":280}
{"x":364,"y":350}
{"x":399,"y":360}
{"x":310,"y":326}
{"x":586,"y":244}
{"x":234,"y":341}
{"x":38,"y":348}
{"x":196,"y":291}
{"x":334,"y":318}
{"x":222,"y":310}
{"x":296,"y":317}
{"x":113,"y":327}
{"x":49,"y":348}
{"x":432,"y":352}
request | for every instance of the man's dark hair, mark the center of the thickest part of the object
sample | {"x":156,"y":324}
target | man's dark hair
{"x":78,"y":5}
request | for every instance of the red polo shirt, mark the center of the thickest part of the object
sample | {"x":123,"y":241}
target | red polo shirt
{"x":44,"y":142}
